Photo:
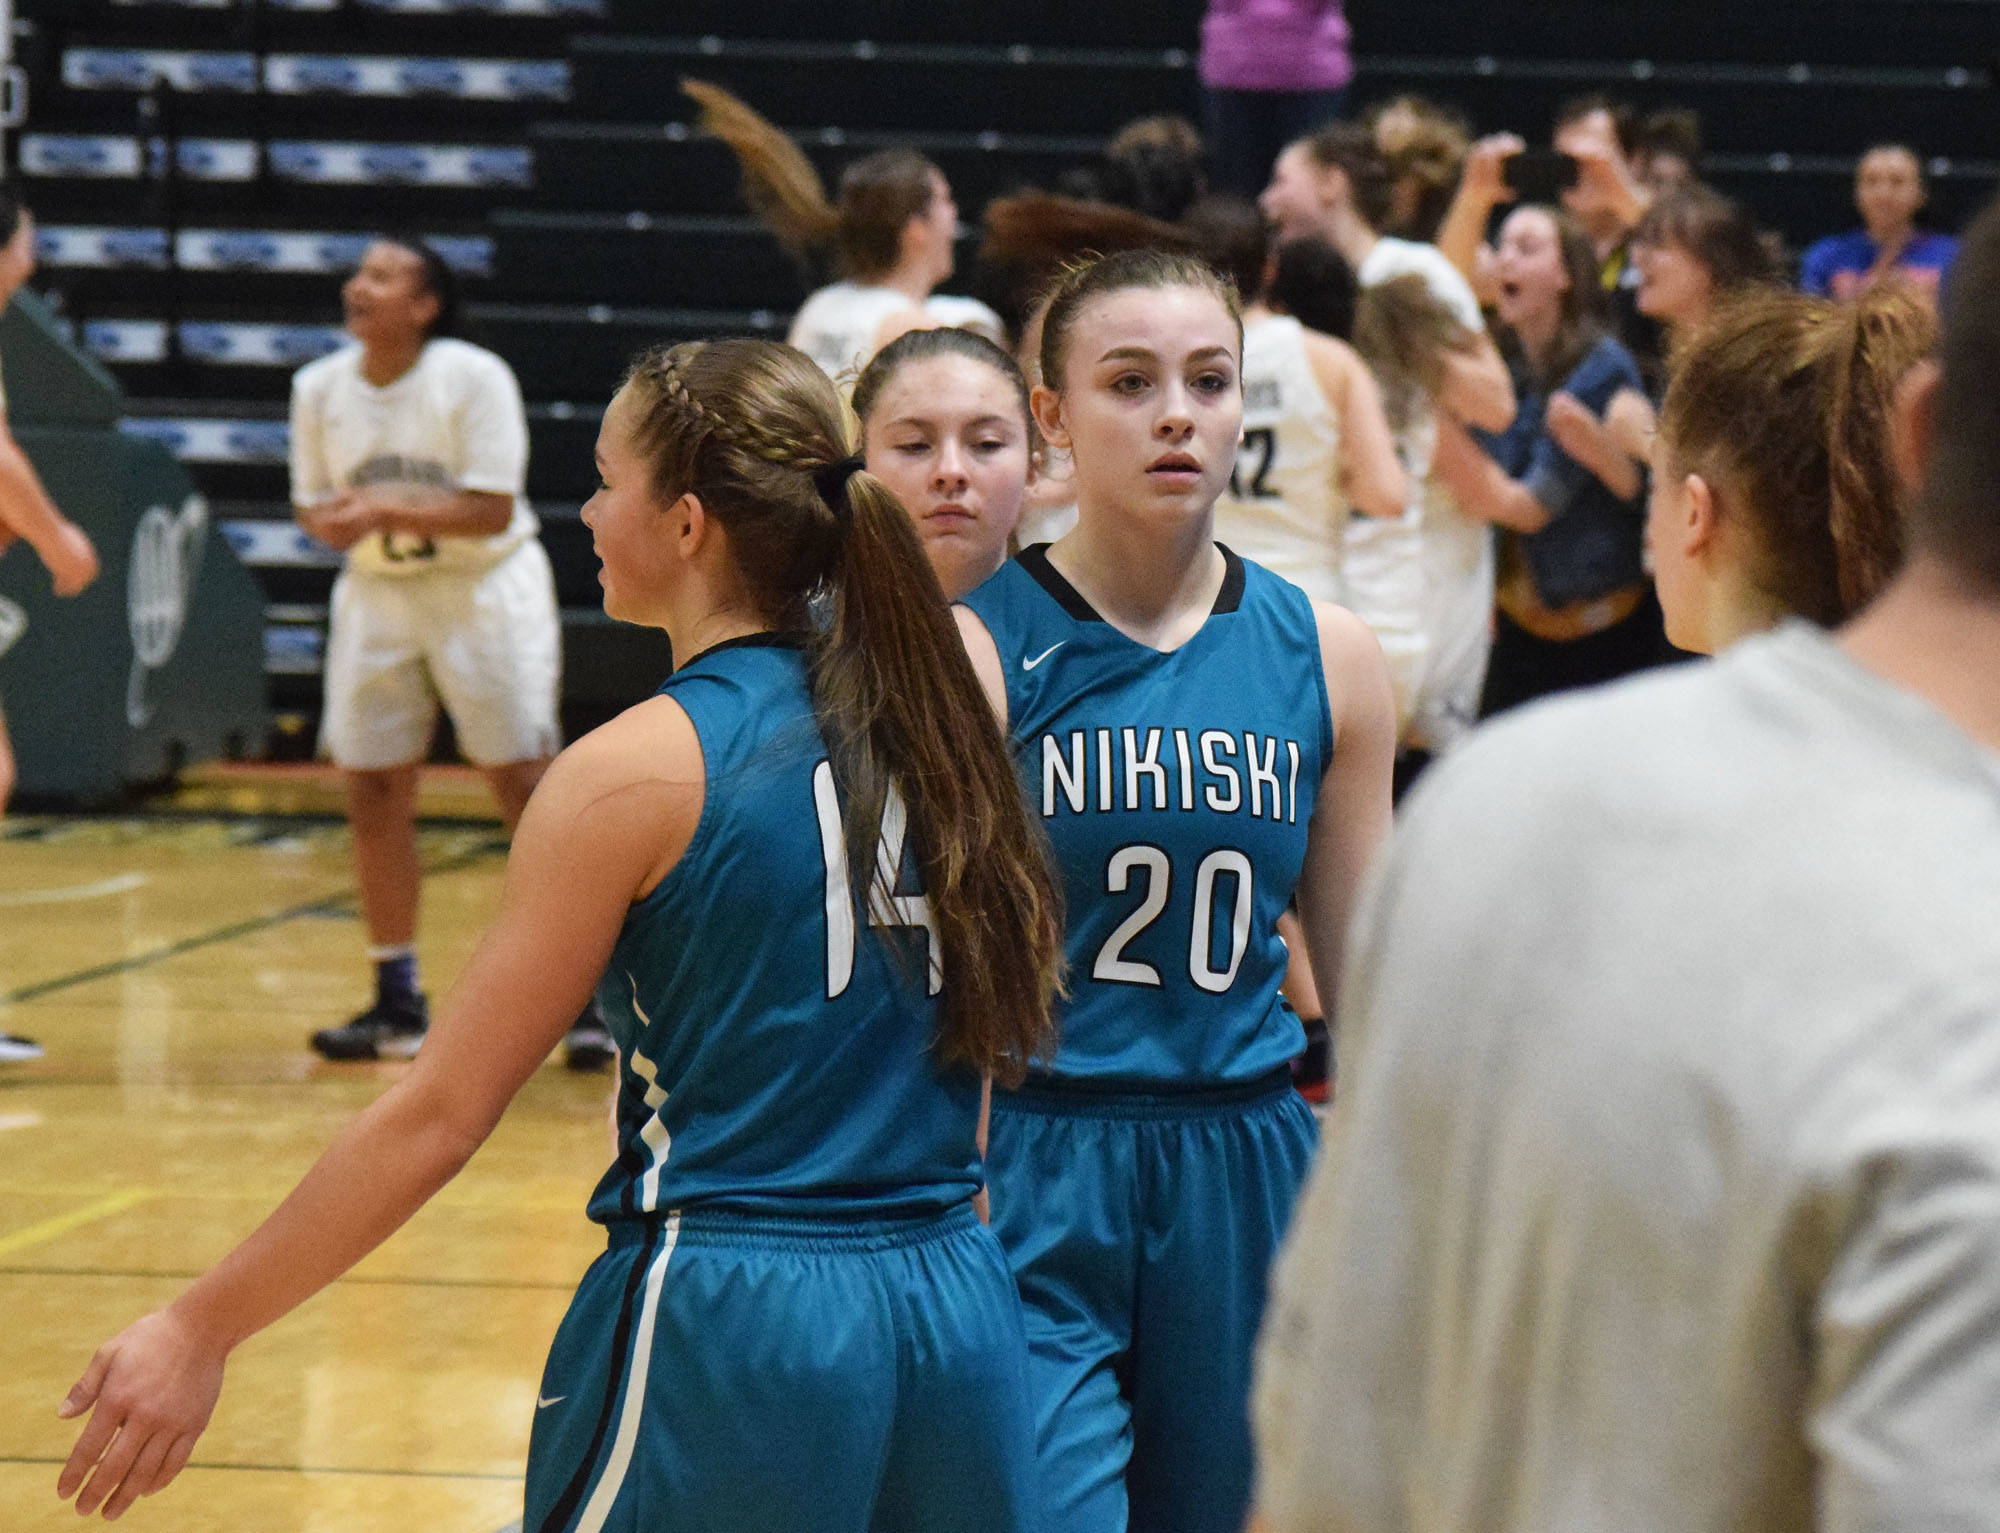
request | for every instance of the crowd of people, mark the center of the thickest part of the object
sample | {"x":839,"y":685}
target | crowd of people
{"x":966,"y":913}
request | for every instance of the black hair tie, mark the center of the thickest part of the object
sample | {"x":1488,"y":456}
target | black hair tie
{"x":831,"y":481}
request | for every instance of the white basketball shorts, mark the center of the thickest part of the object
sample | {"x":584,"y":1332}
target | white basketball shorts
{"x":486,"y":643}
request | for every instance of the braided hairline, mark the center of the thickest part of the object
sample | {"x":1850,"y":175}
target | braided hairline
{"x":748,"y":436}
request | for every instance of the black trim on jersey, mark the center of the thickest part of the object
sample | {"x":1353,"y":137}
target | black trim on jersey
{"x":769,"y":640}
{"x":621,"y":1339}
{"x":1035,"y":561}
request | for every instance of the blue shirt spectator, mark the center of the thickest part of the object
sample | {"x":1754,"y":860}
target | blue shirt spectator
{"x":1591,"y":545}
{"x":1889,"y":192}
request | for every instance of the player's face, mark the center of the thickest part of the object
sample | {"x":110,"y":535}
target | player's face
{"x":1888,"y":190}
{"x":1674,"y":287}
{"x":1528,"y":266}
{"x":947,"y":435}
{"x":627,"y":523}
{"x":385,"y":301}
{"x":1295,"y":202}
{"x":1151,"y":405}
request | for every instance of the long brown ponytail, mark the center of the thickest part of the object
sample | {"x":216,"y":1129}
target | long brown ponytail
{"x":879,"y":193}
{"x":751,"y":428}
{"x":1788,"y":401}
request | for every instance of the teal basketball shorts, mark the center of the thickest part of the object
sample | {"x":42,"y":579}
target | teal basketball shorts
{"x":721,"y":1372}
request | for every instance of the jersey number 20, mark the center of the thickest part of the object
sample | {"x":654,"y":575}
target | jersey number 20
{"x":1114,"y":966}
{"x":884,"y":908}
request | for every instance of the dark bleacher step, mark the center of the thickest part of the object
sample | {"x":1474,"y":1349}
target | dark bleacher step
{"x":917,"y":88}
{"x":1864,"y":32}
{"x":579,"y":352}
{"x":636,"y":258}
{"x":666,"y":168}
{"x":1050,"y":23}
{"x":1744,"y":108}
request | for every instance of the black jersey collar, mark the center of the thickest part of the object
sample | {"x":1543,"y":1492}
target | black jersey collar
{"x":1035,"y":561}
{"x":770,"y":640}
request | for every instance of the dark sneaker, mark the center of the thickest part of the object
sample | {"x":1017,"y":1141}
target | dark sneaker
{"x":14,"y":1049}
{"x":380,"y":1032}
{"x":588,"y":1048}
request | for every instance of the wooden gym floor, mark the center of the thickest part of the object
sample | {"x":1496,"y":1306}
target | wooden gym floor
{"x":172,"y":968}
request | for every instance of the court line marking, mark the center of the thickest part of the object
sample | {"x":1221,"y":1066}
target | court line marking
{"x":347,"y":902}
{"x":395,"y":1474}
{"x":62,"y":1224}
{"x":120,"y":883}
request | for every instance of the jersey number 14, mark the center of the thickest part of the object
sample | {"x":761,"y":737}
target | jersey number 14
{"x":885,"y":908}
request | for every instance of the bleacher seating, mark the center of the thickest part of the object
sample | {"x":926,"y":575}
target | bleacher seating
{"x":546,"y":146}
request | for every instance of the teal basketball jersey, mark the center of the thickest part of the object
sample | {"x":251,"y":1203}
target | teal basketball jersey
{"x":776,"y":1040}
{"x":1177,"y":790}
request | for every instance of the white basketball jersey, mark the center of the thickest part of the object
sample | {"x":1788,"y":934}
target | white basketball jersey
{"x":1384,"y":574}
{"x":837,"y":326}
{"x":1283,"y":508}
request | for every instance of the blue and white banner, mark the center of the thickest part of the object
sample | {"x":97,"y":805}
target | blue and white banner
{"x":136,"y":69}
{"x":198,"y":440}
{"x":278,"y":543}
{"x":294,"y":649}
{"x":299,"y":74}
{"x":337,"y":164}
{"x":327,"y":254}
{"x":93,"y":245}
{"x":99,"y":156}
{"x":259,"y":345}
{"x":304,"y":74}
{"x":109,"y":156}
{"x":126,"y":340}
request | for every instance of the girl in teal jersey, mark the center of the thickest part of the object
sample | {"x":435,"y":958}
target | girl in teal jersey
{"x":803,"y":884}
{"x":1202,"y":743}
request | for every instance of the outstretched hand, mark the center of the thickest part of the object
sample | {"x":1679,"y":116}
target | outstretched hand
{"x":153,"y":1386}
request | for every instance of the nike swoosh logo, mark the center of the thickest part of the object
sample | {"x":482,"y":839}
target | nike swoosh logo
{"x":1029,"y":665}
{"x":542,"y":1405}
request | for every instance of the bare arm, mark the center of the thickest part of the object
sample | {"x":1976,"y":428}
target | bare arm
{"x":27,"y":512}
{"x":1476,"y":387}
{"x":1480,"y":486}
{"x":985,"y":656}
{"x":1482,"y":187}
{"x":1372,"y":477}
{"x":612,"y":815}
{"x":1351,"y":812}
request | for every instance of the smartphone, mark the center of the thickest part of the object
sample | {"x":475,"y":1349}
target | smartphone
{"x":1539,"y":175}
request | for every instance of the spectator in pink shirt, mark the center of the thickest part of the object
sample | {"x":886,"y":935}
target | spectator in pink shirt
{"x":1272,"y":71}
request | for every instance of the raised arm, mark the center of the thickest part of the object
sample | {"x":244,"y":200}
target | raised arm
{"x":611,"y":817}
{"x":1372,"y":477}
{"x":1482,"y":187}
{"x":1352,"y":810}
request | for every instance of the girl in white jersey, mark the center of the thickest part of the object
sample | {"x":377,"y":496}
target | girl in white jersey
{"x":1316,"y":445}
{"x":892,"y":232}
